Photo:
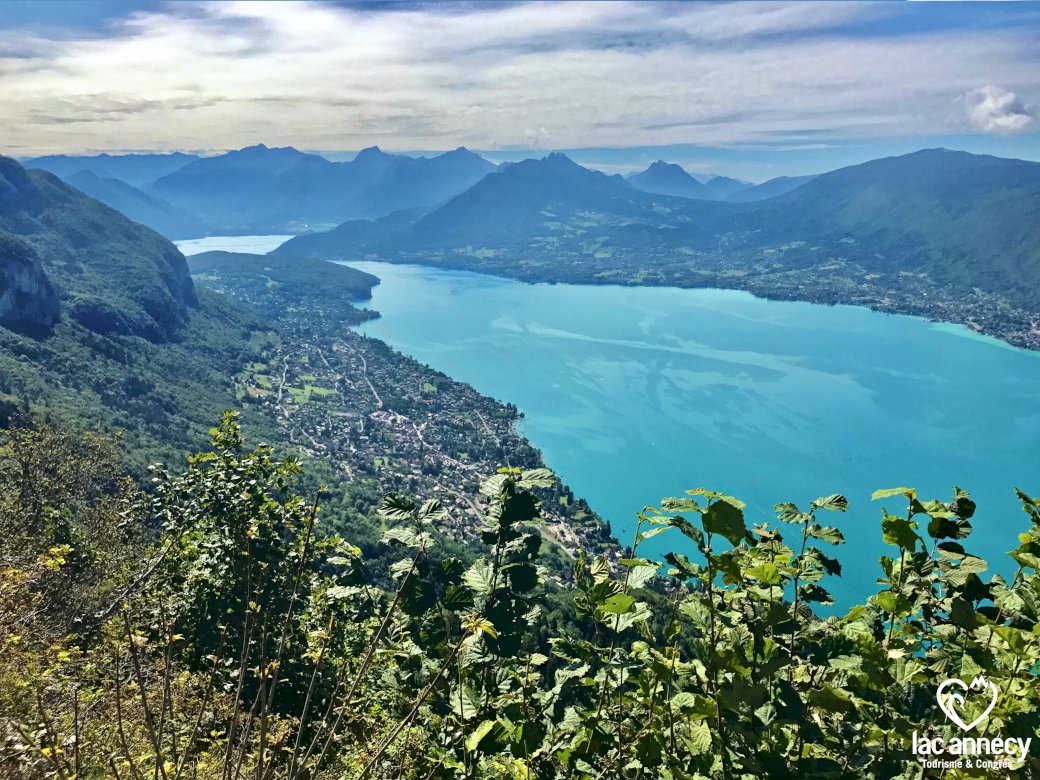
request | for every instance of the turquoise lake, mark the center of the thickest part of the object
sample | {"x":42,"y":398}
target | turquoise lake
{"x":633,"y":394}
{"x":636,"y":393}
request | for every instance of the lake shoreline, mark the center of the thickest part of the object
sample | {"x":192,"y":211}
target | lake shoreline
{"x":979,"y":312}
{"x":1008,"y":325}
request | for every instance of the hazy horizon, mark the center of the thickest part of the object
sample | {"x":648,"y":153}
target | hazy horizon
{"x":614,"y":85}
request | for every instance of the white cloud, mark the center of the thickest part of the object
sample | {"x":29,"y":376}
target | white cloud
{"x":995,"y":110}
{"x":326,"y":77}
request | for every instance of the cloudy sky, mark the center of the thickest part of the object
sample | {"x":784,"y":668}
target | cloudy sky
{"x":749,"y":89}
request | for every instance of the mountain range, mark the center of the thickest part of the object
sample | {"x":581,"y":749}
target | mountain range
{"x":959,"y":219}
{"x":263,"y":189}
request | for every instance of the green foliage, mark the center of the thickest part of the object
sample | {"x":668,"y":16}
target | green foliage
{"x":250,"y":643}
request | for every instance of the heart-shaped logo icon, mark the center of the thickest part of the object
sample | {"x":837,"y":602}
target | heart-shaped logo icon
{"x":948,"y":699}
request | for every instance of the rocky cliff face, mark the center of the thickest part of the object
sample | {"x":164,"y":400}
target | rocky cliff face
{"x":27,"y":300}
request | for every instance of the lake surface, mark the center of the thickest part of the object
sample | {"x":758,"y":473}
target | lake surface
{"x":255,"y":245}
{"x":633,"y":394}
{"x":636,"y":393}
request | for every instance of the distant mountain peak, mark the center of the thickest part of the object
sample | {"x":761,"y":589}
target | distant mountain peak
{"x":370,"y":152}
{"x":661,"y":165}
{"x":664,"y":178}
{"x":560,"y":161}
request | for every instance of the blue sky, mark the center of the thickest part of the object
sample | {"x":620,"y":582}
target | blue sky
{"x":752,"y":90}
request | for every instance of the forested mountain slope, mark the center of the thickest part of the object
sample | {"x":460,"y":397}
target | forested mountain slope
{"x":964,"y":219}
{"x":113,"y":276}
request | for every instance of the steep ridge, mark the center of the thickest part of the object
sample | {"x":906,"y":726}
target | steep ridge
{"x":722,"y":187}
{"x":112,"y":275}
{"x":552,"y":209}
{"x":262,"y":189}
{"x":235,"y":190}
{"x":160,"y":216}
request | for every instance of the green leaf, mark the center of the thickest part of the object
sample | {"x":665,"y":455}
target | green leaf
{"x":831,"y":700}
{"x":405,"y":536}
{"x":537,"y":478}
{"x":639,"y":613}
{"x":492,"y":487}
{"x":688,"y":529}
{"x":640,"y":575}
{"x":948,"y":528}
{"x":457,"y":598}
{"x":727,"y":520}
{"x":711,"y":495}
{"x":889,"y":492}
{"x":684,"y":700}
{"x":479,"y":577}
{"x":826,"y":533}
{"x":815,"y":593}
{"x":680,"y":505}
{"x":766,"y":574}
{"x":600,"y":570}
{"x":766,"y":713}
{"x":617,"y":604}
{"x":431,"y":511}
{"x":396,"y":508}
{"x":900,"y":532}
{"x":339,"y":592}
{"x":789,"y":513}
{"x":699,"y":740}
{"x":686,"y":570}
{"x":481,"y":731}
{"x":643,"y":536}
{"x":959,"y":575}
{"x":893,"y":603}
{"x":835,"y":503}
